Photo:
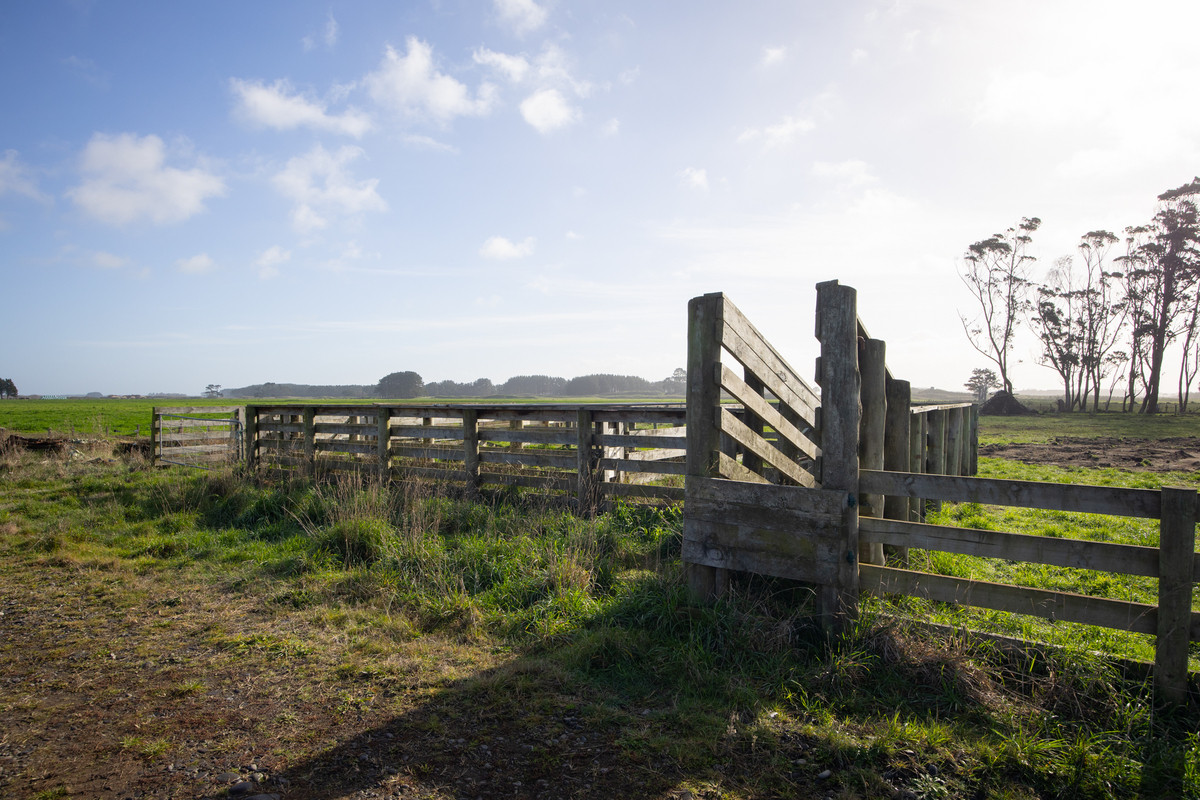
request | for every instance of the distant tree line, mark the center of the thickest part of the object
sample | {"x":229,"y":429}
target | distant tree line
{"x":406,"y":385}
{"x":1105,"y":317}
{"x":7,"y":388}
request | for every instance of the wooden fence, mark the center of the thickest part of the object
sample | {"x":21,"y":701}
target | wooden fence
{"x":868,"y":467}
{"x":588,"y":452}
{"x":196,"y":436}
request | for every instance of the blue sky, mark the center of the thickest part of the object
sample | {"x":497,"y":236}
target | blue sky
{"x":328,"y":192}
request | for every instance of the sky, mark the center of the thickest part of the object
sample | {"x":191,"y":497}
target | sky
{"x":327,"y":192}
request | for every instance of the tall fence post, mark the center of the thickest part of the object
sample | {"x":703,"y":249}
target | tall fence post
{"x":310,"y":440}
{"x":703,"y":419}
{"x":251,"y":430}
{"x":838,"y":375}
{"x":1176,"y":556}
{"x":585,"y":479}
{"x":155,"y":421}
{"x":896,"y":443}
{"x":935,"y":454}
{"x":470,"y":425}
{"x":954,"y":442}
{"x":872,"y":366}
{"x":383,"y":441}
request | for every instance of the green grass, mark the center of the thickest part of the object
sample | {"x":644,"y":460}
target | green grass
{"x":597,"y":608}
{"x":121,"y":417}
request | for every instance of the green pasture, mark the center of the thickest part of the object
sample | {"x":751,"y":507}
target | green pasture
{"x":122,"y":417}
{"x":601,"y":605}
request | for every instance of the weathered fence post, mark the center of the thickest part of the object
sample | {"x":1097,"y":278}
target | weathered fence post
{"x":918,"y":441}
{"x":585,"y":480}
{"x":838,"y":375}
{"x":973,"y":441}
{"x":1176,"y":556}
{"x":251,"y":430}
{"x":896,"y":443}
{"x":703,"y":419}
{"x":470,"y":426}
{"x":872,"y":367}
{"x":935,"y":455}
{"x":310,"y":440}
{"x":954,"y":450}
{"x":155,"y":421}
{"x":383,"y":441}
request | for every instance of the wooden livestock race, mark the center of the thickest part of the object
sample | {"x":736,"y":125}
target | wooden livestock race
{"x":828,"y":486}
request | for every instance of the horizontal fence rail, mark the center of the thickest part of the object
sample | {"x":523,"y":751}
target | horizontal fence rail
{"x":1174,"y":562}
{"x":592,"y":453}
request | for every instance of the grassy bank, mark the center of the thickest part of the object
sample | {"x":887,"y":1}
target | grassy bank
{"x":565,"y":648}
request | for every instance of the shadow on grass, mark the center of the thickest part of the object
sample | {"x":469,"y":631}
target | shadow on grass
{"x":658,"y":698}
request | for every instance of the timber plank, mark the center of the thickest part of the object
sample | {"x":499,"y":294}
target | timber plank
{"x":741,"y":432}
{"x":1059,"y":606}
{"x":1027,"y":494}
{"x":784,"y":430}
{"x":1124,"y":559}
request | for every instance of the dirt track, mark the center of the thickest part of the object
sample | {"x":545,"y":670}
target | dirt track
{"x":1180,"y":454}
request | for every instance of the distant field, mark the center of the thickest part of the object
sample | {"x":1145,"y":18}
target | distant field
{"x":105,"y":417}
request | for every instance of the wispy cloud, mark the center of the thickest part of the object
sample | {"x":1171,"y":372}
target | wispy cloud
{"x":411,"y":84}
{"x":328,"y":35}
{"x":547,"y":111}
{"x":268,"y":261}
{"x":196,"y":265}
{"x":772,"y":56}
{"x":126,"y":179}
{"x":781,"y":133}
{"x":320,"y":185}
{"x":694,"y":178}
{"x":521,"y":16}
{"x":279,"y":106}
{"x":16,"y":178}
{"x":499,"y":248}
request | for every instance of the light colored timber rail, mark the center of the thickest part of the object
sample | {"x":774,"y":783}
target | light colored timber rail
{"x":590,"y":453}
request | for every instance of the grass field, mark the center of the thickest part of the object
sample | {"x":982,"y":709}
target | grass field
{"x":356,"y":638}
{"x":122,"y":417}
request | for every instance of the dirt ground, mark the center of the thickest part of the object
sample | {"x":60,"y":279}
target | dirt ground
{"x":1156,"y":455}
{"x":230,"y":695}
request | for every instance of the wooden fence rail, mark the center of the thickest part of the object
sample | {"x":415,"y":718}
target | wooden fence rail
{"x":590,"y":453}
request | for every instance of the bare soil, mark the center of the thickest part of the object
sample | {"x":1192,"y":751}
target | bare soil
{"x":115,"y":685}
{"x":1180,"y":454}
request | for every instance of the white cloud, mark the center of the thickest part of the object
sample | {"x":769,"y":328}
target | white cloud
{"x":429,"y":143}
{"x":552,"y":69}
{"x":329,"y":35}
{"x":319,"y":185}
{"x":779,"y":134}
{"x":268,"y":261}
{"x":612,"y":127}
{"x":411,"y":84}
{"x":852,"y":172}
{"x":547,"y":111}
{"x":278,"y":106}
{"x":108,"y":260}
{"x":772,"y":56}
{"x":16,"y":178}
{"x":87,"y":70}
{"x":196,"y":265}
{"x":501,"y":249}
{"x":521,"y":16}
{"x":694,"y":178}
{"x":514,"y":68}
{"x":126,"y":179}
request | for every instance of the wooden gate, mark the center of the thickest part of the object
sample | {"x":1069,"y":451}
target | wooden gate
{"x":196,"y":436}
